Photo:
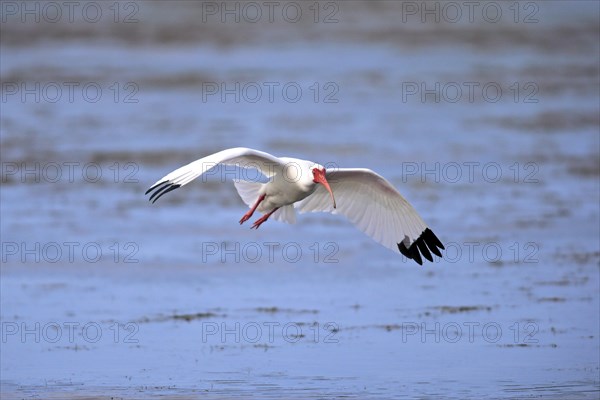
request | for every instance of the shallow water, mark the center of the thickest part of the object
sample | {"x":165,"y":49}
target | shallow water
{"x":104,"y":294}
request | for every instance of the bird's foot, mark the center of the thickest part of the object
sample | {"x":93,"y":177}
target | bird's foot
{"x":259,"y":221}
{"x":246,"y":217}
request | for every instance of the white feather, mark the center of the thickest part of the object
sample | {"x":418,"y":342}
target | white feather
{"x":243,"y":157}
{"x":368,"y":200}
{"x":371,"y":203}
{"x":285,"y":214}
{"x":248,"y":191}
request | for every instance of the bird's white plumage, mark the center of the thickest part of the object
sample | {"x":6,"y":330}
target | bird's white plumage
{"x":249,"y":192}
{"x":371,"y":203}
{"x":267,"y":164}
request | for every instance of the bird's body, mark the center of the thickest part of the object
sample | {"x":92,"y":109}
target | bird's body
{"x":285,"y":188}
{"x":364,"y":197}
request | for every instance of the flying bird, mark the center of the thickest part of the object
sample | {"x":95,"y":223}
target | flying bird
{"x":369,"y":201}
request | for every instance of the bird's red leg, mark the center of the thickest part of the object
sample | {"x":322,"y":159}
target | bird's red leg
{"x":262,"y":219}
{"x":247,"y":216}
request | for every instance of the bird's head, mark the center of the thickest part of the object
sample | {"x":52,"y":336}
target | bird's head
{"x":319,"y":177}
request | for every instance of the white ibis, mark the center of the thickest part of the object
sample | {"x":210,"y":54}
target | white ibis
{"x":369,"y":201}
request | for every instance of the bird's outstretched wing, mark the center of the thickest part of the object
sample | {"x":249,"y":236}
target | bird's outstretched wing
{"x":375,"y":207}
{"x":243,"y":157}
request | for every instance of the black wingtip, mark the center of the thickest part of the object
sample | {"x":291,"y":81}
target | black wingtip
{"x":167,"y":190}
{"x":161,"y":189}
{"x":404,"y":250}
{"x":425,"y":244}
{"x":424,"y":250}
{"x":155,"y":186}
{"x":432,"y":239}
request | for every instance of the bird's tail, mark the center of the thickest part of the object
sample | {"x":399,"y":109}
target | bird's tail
{"x":248,"y":191}
{"x":285,"y":214}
